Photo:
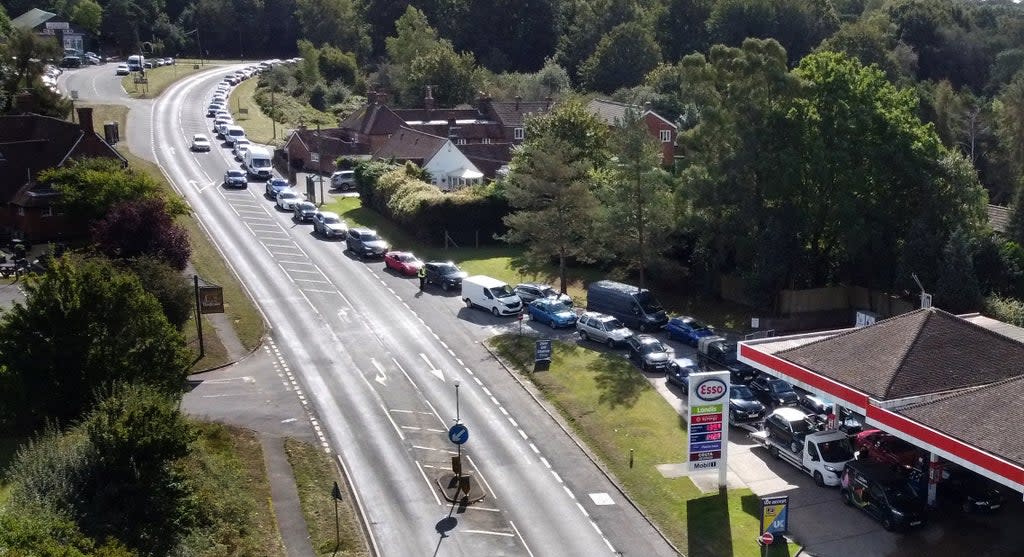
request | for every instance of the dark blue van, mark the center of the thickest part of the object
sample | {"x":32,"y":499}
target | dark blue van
{"x":634,"y":306}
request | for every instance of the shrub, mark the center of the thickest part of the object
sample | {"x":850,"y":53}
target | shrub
{"x":1008,"y":310}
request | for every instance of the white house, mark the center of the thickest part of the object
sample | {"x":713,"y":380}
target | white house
{"x":448,"y":167}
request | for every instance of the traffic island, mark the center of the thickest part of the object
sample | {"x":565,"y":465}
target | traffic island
{"x":464,"y":489}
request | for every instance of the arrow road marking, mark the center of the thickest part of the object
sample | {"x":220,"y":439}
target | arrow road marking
{"x":380,"y":377}
{"x":437,"y":372}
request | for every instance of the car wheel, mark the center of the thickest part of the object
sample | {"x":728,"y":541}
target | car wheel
{"x":774,"y":451}
{"x":583,"y":335}
{"x":551,"y":324}
{"x":610,"y":343}
{"x":888,"y":524}
{"x":444,"y":286}
{"x":469,"y":304}
{"x":819,"y":480}
{"x":494,"y":312}
{"x":643,"y":366}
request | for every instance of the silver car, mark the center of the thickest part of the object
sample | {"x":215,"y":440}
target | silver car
{"x":329,"y":224}
{"x":602,"y":328}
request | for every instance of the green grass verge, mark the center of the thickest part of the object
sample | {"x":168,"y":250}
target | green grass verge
{"x":259,"y":127}
{"x":160,"y":78}
{"x":315,"y":474}
{"x":614,"y":410}
{"x":226,"y":470}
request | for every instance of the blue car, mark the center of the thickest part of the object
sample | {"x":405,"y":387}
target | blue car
{"x":687,"y":329}
{"x":276,"y":186}
{"x":552,"y":312}
{"x":678,"y":372}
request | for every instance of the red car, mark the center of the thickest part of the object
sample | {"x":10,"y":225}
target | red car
{"x":402,"y":261}
{"x":887,"y":449}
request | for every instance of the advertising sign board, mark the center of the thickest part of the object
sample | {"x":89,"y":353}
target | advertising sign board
{"x":708,"y":425}
{"x":775,"y":515}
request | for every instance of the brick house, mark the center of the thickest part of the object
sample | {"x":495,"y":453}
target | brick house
{"x":29,"y":144}
{"x":658,"y":127}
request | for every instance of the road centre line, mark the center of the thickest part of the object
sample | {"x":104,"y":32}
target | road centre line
{"x":398,"y":429}
{"x":582,"y":510}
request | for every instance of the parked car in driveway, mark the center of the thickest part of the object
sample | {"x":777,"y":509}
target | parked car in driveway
{"x":343,"y":180}
{"x":879,"y":446}
{"x":304,"y":211}
{"x":773,"y":392}
{"x":648,"y":352}
{"x":882,"y":493}
{"x":602,"y":328}
{"x":287,"y":199}
{"x":551,"y":312}
{"x":445,"y":274}
{"x":329,"y":225}
{"x":529,"y":292}
{"x":363,"y":243}
{"x":200,"y":143}
{"x":744,"y":406}
{"x":687,"y":329}
{"x":234,"y":178}
{"x":678,"y":373}
{"x":275,"y":186}
{"x":403,"y":262}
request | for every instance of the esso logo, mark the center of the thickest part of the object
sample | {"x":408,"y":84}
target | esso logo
{"x":711,"y":389}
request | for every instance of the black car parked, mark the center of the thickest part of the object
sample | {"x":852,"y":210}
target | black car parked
{"x":364,"y":243}
{"x":811,"y":402}
{"x":773,"y":392}
{"x":882,"y":493}
{"x":789,"y":426}
{"x":743,"y":405}
{"x":959,"y":488}
{"x":445,"y":274}
{"x":648,"y":352}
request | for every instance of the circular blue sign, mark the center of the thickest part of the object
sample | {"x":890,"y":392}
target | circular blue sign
{"x":711,"y":390}
{"x":458,"y":434}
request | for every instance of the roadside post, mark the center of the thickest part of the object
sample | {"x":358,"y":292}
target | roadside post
{"x":209,"y":299}
{"x":458,"y":434}
{"x":336,"y":495}
{"x":542,"y":354}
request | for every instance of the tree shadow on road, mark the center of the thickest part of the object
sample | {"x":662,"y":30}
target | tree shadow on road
{"x":620,"y":383}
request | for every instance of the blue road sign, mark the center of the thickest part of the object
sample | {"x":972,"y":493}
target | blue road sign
{"x":458,"y":434}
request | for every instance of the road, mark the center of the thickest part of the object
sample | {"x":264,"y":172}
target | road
{"x":382,"y":363}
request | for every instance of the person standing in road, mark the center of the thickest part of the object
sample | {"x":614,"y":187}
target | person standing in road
{"x":422,"y":274}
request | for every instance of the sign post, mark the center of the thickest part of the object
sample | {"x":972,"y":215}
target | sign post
{"x":774,"y":519}
{"x":209,"y":299}
{"x":708,"y":423}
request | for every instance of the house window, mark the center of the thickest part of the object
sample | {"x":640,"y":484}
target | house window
{"x":486,"y":141}
{"x":460,"y":141}
{"x":47,"y":211}
{"x":666,"y":136}
{"x":517,"y":133}
{"x":21,"y":211}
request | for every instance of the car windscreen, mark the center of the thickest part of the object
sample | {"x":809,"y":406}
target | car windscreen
{"x":613,"y":324}
{"x":741,"y":392}
{"x":696,"y":325}
{"x":236,"y":173}
{"x":406,"y":258}
{"x":369,"y":237}
{"x":503,"y":291}
{"x":447,"y":269}
{"x":548,"y":292}
{"x":331,"y":220}
{"x":801,"y":426}
{"x":650,"y":347}
{"x":261,"y":163}
{"x":839,"y":450}
{"x":780,"y":387}
{"x":647,"y":302}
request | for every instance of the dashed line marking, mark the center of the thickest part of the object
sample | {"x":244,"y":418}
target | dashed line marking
{"x":523,"y":434}
{"x":495,"y":401}
{"x":569,"y":492}
{"x":503,"y":411}
{"x":557,"y":477}
{"x":545,"y":462}
{"x":487,"y":391}
{"x":582,"y":510}
{"x":478,"y":381}
{"x":535,"y":449}
{"x":512,"y":421}
{"x":460,"y":362}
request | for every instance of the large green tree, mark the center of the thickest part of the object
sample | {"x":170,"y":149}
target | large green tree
{"x":87,"y":14}
{"x":91,"y":187}
{"x":335,"y":22}
{"x":22,"y":59}
{"x":84,"y":325}
{"x":799,"y":25}
{"x":623,"y":57}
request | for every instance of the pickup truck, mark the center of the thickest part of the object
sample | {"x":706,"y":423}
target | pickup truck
{"x":720,"y":353}
{"x":823,"y":455}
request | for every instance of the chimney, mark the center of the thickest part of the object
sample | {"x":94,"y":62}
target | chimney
{"x":24,"y":103}
{"x":518,"y":100}
{"x":451,"y":119}
{"x":547,"y":102}
{"x":85,"y":119}
{"x":647,"y":106}
{"x":428,"y":100}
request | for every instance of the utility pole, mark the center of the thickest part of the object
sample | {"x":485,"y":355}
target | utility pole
{"x":319,"y":163}
{"x":273,"y":122}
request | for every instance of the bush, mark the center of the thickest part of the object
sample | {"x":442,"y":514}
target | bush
{"x":1007,"y":310}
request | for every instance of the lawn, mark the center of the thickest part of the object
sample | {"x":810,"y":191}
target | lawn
{"x":315,"y":474}
{"x":614,"y":410}
{"x":259,"y":128}
{"x":210,"y":266}
{"x":160,"y":78}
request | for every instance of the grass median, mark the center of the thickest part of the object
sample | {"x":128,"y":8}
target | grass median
{"x":631,"y":428}
{"x":259,"y":127}
{"x":315,"y":474}
{"x":159,"y":79}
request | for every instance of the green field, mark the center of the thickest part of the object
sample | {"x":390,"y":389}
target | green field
{"x":614,"y":410}
{"x":259,"y":128}
{"x":160,"y":78}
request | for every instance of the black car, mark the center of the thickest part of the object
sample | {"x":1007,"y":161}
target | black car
{"x":773,"y":392}
{"x":678,"y":372}
{"x":234,"y":178}
{"x":789,"y":426}
{"x":744,"y":406}
{"x":966,"y":490}
{"x":811,"y":402}
{"x":304,"y":211}
{"x":649,"y":352}
{"x":445,"y":274}
{"x":364,"y":242}
{"x":882,"y":493}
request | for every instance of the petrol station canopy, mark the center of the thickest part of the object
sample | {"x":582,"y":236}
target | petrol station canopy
{"x":951,"y":385}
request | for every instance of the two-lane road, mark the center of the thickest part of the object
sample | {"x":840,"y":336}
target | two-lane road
{"x":380,"y":363}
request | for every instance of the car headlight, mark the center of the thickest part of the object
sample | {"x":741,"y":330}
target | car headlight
{"x":897,"y":514}
{"x":831,"y":469}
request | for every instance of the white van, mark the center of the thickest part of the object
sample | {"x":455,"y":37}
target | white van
{"x":257,"y":162}
{"x":232,"y":133}
{"x":136,"y":62}
{"x":490,"y":294}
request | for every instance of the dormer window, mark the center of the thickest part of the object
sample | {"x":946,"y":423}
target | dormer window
{"x":518,"y":133}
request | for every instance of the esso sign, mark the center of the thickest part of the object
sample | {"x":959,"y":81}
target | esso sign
{"x":711,"y":390}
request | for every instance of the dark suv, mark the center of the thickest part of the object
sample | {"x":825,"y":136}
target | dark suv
{"x":445,"y":274}
{"x":789,"y":426}
{"x":364,"y":243}
{"x":649,"y":352}
{"x":881,"y":492}
{"x":773,"y":392}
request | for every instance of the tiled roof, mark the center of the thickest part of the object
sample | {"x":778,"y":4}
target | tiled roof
{"x":992,"y":410}
{"x":30,"y":143}
{"x":924,"y":351}
{"x":610,"y":112}
{"x":488,"y":158}
{"x":32,"y":19}
{"x":332,"y":142}
{"x":373,"y":119}
{"x":512,"y":114}
{"x":409,"y":144}
{"x":998,"y":217}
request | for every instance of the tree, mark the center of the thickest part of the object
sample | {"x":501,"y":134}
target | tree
{"x":84,"y":325}
{"x":520,"y":34}
{"x":684,"y":28}
{"x":872,"y":40}
{"x":638,"y":200}
{"x":170,"y":288}
{"x":1009,"y":119}
{"x":586,"y":22}
{"x":336,"y":65}
{"x":957,"y":290}
{"x":449,"y":72}
{"x":413,"y":37}
{"x":308,"y":72}
{"x":5,"y":23}
{"x":335,"y":22}
{"x":22,"y":60}
{"x":623,"y":57}
{"x":89,"y":188}
{"x":87,"y":14}
{"x":799,"y":25}
{"x":142,"y":228}
{"x":549,"y":188}
{"x":570,"y":124}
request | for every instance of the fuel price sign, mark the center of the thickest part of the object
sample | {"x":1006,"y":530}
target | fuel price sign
{"x":708,"y":425}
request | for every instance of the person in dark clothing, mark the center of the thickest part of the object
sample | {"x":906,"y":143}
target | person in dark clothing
{"x":422,"y":274}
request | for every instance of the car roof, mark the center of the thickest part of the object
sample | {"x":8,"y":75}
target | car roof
{"x":307,"y":204}
{"x":329,"y":214}
{"x":199,"y":136}
{"x":790,"y":414}
{"x":235,"y":172}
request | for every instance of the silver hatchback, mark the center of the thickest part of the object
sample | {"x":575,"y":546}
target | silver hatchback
{"x":602,"y":328}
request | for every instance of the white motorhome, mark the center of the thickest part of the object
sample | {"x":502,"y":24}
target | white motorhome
{"x":490,"y":294}
{"x":257,"y":162}
{"x":136,"y":62}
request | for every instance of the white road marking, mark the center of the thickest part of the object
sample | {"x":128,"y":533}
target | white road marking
{"x":393,"y":424}
{"x":521,"y":538}
{"x":310,"y":280}
{"x":429,"y":485}
{"x":488,"y":532}
{"x":381,"y":377}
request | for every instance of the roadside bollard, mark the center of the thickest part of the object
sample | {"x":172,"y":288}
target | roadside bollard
{"x":630,"y":458}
